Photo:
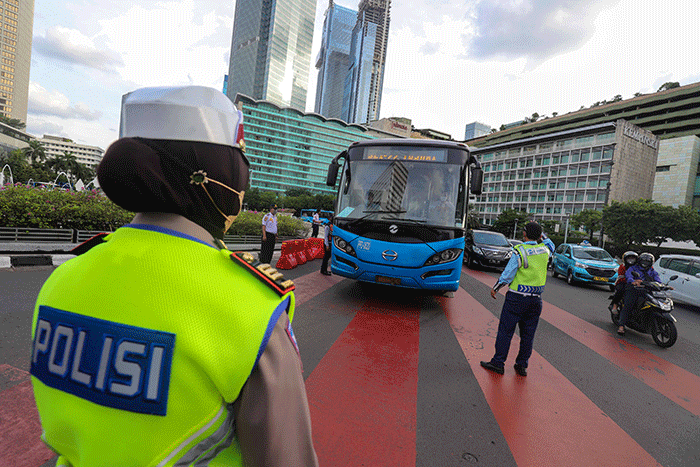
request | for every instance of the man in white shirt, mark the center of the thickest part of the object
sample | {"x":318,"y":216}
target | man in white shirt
{"x":316,"y":223}
{"x":269,"y":234}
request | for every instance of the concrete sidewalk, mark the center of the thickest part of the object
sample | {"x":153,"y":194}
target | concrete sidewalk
{"x":16,"y":254}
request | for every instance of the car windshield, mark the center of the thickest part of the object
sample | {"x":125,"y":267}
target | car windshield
{"x":597,"y":254}
{"x":491,"y":238}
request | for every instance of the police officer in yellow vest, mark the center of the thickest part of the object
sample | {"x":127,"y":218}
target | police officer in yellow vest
{"x":526,"y":272}
{"x":157,"y":346}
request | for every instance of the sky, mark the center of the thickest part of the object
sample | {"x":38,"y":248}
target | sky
{"x":449,"y":63}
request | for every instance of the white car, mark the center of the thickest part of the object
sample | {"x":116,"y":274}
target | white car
{"x":686,"y":289}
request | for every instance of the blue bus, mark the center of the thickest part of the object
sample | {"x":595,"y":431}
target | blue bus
{"x":308,"y":215}
{"x":401,"y":211}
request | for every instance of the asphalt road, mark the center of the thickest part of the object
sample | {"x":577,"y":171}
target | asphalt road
{"x":393,"y":378}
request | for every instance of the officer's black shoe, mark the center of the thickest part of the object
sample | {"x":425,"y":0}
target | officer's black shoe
{"x":491,"y":367}
{"x":521,"y":370}
{"x":326,"y":273}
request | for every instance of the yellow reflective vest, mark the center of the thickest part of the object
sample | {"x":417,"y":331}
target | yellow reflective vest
{"x":141,"y":345}
{"x":532,"y":271}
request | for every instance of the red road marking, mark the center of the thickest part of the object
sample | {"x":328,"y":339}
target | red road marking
{"x":672,"y":381}
{"x":312,"y":284}
{"x":545,"y":418}
{"x":20,"y":428}
{"x":363,"y":393}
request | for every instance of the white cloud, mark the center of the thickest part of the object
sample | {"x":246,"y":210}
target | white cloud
{"x":43,"y":102}
{"x":71,"y":46}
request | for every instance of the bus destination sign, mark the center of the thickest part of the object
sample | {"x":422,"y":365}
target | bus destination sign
{"x":399,"y":154}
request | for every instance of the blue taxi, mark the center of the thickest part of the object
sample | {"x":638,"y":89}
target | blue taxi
{"x":584,"y":263}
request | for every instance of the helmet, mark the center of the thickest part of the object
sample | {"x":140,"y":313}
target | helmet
{"x":645,"y":261}
{"x":629,"y":258}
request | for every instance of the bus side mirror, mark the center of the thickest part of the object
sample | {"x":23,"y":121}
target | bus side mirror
{"x":477,"y":180}
{"x":332,"y":176}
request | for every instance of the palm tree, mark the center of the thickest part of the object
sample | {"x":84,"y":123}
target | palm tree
{"x":35,"y":151}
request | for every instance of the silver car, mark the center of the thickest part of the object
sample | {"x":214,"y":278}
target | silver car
{"x":686,"y":289}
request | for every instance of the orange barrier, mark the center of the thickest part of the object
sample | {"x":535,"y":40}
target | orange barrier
{"x":314,"y":248}
{"x":287,"y":258}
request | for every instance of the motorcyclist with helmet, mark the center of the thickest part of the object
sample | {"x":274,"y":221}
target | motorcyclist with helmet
{"x":629,"y":258}
{"x":644,"y":271}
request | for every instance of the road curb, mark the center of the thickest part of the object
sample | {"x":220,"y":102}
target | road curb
{"x":18,"y":261}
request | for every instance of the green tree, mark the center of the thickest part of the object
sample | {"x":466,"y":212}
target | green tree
{"x":639,"y":221}
{"x":589,"y":219}
{"x":506,"y":222}
{"x":669,"y":85}
{"x":35,"y":152}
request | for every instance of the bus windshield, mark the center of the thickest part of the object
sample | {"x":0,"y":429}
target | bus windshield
{"x":430,"y":193}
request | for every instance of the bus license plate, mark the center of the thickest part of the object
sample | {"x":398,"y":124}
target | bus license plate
{"x":600,"y":279}
{"x":388,"y":280}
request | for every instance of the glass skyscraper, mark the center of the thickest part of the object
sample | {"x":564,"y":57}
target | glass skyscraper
{"x":365,"y":80}
{"x":271,"y":51}
{"x":333,"y":60}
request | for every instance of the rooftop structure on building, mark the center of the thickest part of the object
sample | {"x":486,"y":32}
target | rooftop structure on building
{"x":333,"y":60}
{"x":89,"y":156}
{"x":430,"y":134}
{"x":397,"y":126}
{"x":11,"y":138}
{"x":17,"y":22}
{"x":271,"y":51}
{"x":289,"y":149}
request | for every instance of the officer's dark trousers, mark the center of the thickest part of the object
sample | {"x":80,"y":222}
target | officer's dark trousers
{"x":267,"y":247}
{"x":314,"y":231}
{"x":524,"y":312}
{"x":326,"y":258}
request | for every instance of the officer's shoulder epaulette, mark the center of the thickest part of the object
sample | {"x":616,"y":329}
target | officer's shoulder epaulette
{"x":88,"y":244}
{"x":263,"y":272}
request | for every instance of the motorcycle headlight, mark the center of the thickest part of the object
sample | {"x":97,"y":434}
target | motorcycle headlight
{"x":445,"y":256}
{"x":666,"y":305}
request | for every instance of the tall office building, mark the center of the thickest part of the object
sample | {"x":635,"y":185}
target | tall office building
{"x":333,"y":60}
{"x":16,"y":33}
{"x":475,"y":129}
{"x":271,"y":51}
{"x":364,"y":83}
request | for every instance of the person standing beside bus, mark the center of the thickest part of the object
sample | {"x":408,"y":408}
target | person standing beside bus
{"x":269,"y":234}
{"x":526,"y":272}
{"x":315,"y":223}
{"x":156,"y":345}
{"x":327,"y":244}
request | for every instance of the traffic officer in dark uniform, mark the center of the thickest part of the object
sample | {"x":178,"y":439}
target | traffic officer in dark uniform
{"x":156,"y":345}
{"x":526,"y":274}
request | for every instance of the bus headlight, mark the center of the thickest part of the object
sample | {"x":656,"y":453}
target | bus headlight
{"x":445,"y":256}
{"x":344,"y":246}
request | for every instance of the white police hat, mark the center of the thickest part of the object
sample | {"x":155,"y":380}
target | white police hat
{"x":186,"y":113}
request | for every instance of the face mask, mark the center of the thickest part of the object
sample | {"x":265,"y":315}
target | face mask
{"x":200,"y":178}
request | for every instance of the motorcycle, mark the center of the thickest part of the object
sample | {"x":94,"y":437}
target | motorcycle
{"x":653,"y":316}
